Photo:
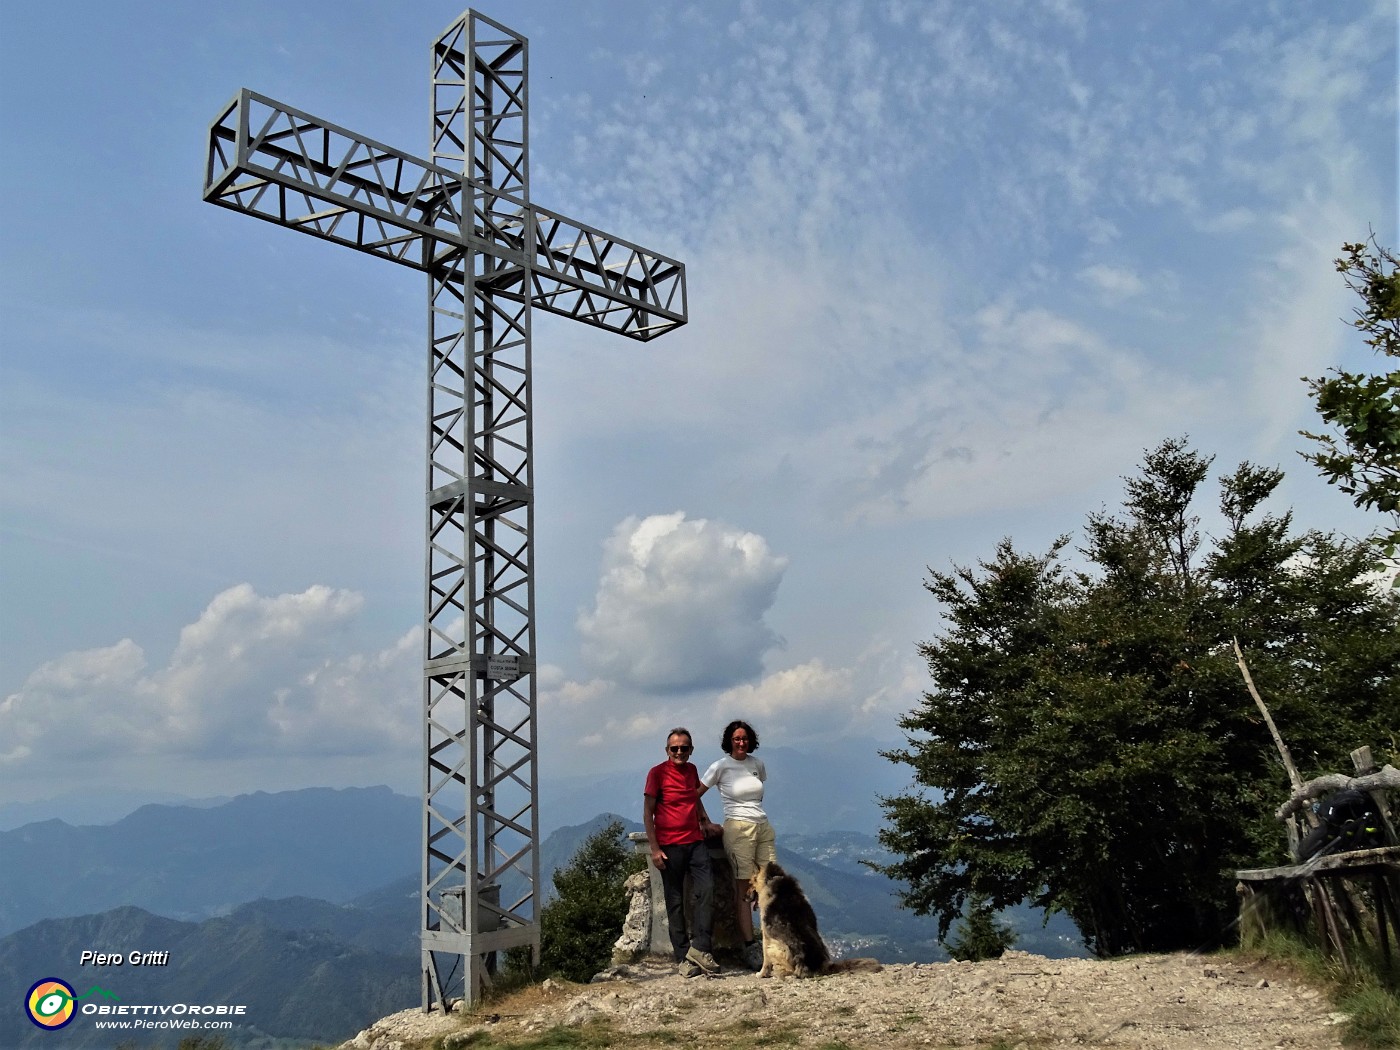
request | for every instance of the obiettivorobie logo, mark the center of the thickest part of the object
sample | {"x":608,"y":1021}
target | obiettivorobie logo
{"x":50,"y":1002}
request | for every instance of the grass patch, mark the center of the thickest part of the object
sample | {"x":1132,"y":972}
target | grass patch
{"x":905,"y":1021}
{"x":597,"y":1034}
{"x":785,"y":1035}
{"x":746,"y":1033}
{"x":591,"y":1036}
{"x":1374,"y":1016}
{"x":500,"y":1001}
{"x":1368,"y":995}
{"x":475,"y":1041}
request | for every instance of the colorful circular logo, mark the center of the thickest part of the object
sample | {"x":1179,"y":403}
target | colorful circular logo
{"x":50,"y":1003}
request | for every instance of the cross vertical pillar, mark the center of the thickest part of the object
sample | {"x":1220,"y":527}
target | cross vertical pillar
{"x":480,"y":794}
{"x":464,"y":218}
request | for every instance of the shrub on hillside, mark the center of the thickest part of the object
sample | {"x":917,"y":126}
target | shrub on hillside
{"x":578,"y":928}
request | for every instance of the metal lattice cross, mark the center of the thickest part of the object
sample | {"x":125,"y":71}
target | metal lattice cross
{"x":466,"y":219}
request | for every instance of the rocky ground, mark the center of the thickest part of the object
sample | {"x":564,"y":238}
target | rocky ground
{"x":1152,"y":1002}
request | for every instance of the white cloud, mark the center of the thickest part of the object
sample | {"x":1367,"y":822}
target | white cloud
{"x":251,"y":675}
{"x":602,"y":724}
{"x":1038,"y":406}
{"x":1115,"y":282}
{"x":813,"y":703}
{"x":681,"y":604}
{"x":588,"y":725}
{"x":810,"y":698}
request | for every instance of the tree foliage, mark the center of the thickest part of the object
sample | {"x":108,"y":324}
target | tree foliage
{"x":980,"y":935}
{"x":578,"y":928}
{"x":1089,"y":745}
{"x":1361,"y":454}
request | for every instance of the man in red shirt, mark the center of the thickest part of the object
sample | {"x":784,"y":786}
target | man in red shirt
{"x":676,"y":825}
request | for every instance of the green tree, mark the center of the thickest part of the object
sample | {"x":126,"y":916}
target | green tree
{"x":1088,"y":745}
{"x":578,"y":928}
{"x":980,"y":935}
{"x":1361,"y":454}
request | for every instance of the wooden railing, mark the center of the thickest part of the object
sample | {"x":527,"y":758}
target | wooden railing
{"x":1349,"y":901}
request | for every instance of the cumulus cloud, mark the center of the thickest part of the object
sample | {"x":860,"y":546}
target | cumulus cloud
{"x":813,"y":703}
{"x":599,"y":723}
{"x":603,"y":724}
{"x":811,"y":697}
{"x":251,"y":675}
{"x":681,"y":604}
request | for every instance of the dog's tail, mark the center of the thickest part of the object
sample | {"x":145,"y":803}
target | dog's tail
{"x":854,"y":966}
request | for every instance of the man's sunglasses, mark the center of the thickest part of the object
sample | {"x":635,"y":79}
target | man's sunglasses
{"x":687,"y":749}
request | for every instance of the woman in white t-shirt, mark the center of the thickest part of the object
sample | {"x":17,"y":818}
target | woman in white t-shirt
{"x":748,"y":837}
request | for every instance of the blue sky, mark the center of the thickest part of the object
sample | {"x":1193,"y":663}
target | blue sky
{"x":952,"y":268}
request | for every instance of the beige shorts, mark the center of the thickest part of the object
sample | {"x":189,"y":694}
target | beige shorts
{"x":748,"y":845}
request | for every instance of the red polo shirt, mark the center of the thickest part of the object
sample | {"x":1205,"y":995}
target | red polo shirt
{"x":677,"y":814}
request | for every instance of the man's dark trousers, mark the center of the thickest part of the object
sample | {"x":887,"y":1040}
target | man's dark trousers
{"x":692,"y":859}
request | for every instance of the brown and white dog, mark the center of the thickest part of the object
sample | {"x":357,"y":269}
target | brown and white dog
{"x":792,"y":945}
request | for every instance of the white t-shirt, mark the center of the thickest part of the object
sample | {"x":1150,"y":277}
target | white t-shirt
{"x":740,"y":787}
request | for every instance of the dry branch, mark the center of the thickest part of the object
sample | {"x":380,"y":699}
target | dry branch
{"x":1387,"y":778}
{"x":1293,"y":777}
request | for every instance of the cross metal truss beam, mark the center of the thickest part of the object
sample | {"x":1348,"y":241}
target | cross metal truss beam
{"x":465,"y":218}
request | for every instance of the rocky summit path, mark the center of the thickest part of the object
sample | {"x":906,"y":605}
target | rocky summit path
{"x":1149,"y":1002}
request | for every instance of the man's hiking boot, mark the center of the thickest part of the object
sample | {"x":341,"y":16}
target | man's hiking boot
{"x":704,"y":960}
{"x":686,"y":968}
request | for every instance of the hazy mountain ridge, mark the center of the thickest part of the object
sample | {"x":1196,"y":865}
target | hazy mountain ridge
{"x":83,"y":809}
{"x":193,"y":863}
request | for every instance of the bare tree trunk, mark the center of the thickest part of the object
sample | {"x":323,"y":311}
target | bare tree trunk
{"x":1293,"y":778}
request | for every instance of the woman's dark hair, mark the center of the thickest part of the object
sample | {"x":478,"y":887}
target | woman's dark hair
{"x":727,"y":741}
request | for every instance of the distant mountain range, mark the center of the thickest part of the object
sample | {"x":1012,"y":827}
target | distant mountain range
{"x":86,"y":807}
{"x":190,"y":863}
{"x":303,"y":906}
{"x":808,"y":792}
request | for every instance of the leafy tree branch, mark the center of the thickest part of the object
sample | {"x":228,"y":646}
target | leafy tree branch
{"x":1360,"y":454}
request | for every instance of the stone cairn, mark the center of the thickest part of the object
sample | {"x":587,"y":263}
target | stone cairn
{"x":645,"y":932}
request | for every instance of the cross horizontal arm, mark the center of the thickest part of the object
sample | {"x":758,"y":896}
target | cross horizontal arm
{"x":282,"y":165}
{"x":603,"y":280}
{"x":277,"y":163}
